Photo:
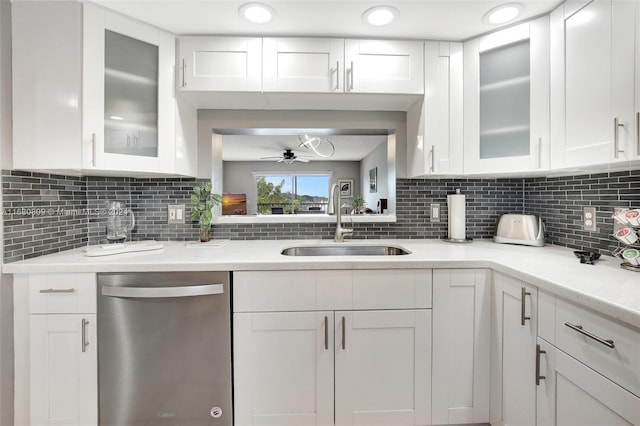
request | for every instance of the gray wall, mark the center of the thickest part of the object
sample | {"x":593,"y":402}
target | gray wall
{"x":6,"y":292}
{"x":238,"y":175}
{"x":376,"y":158}
{"x":558,"y":201}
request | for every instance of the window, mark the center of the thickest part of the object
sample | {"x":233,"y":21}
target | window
{"x":292,"y":193}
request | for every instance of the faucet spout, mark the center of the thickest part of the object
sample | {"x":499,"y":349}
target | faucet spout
{"x":337,"y":208}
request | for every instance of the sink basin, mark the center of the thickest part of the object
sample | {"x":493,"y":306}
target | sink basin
{"x":345,"y":250}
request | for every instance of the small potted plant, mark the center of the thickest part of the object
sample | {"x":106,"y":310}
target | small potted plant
{"x":203,"y":201}
{"x":357,"y":204}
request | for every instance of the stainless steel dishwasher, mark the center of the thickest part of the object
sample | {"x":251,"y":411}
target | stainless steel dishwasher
{"x":164,"y":349}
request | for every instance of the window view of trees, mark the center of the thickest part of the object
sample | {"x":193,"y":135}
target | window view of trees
{"x":292,"y":194}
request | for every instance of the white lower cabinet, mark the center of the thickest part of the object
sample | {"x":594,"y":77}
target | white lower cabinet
{"x":300,"y":365}
{"x":55,"y":346}
{"x":572,"y":394}
{"x":64,"y":373}
{"x":461,"y":349}
{"x":382,"y":367}
{"x":284,"y":368}
{"x":513,"y":346}
{"x":586,"y":367}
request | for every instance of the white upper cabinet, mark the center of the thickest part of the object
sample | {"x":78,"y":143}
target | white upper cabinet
{"x":95,"y":93}
{"x":128,"y":104}
{"x":228,"y":64}
{"x":434,"y":126}
{"x":506,"y":105}
{"x":593,"y":82}
{"x":384,"y":66}
{"x":303,"y":65}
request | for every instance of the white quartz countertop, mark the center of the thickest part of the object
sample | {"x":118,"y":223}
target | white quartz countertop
{"x":604,"y":287}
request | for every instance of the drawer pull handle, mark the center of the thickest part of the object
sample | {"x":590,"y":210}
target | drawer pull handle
{"x":57,"y":290}
{"x":538,"y":376}
{"x":579,"y":329}
{"x":344,"y":336}
{"x":523,"y":316}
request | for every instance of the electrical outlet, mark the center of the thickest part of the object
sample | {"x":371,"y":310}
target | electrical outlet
{"x":435,"y":212}
{"x":175,"y":213}
{"x":589,"y":219}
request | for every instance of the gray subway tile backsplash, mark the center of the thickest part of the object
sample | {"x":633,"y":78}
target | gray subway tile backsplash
{"x":50,"y":213}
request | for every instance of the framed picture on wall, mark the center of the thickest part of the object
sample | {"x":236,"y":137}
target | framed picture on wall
{"x":346,"y":187}
{"x":373,"y":180}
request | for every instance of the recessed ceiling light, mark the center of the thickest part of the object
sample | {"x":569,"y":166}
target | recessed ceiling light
{"x":503,"y":14}
{"x":258,"y":13}
{"x":379,"y":15}
{"x":116,"y":117}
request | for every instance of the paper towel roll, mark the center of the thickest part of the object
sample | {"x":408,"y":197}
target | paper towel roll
{"x":457,"y":215}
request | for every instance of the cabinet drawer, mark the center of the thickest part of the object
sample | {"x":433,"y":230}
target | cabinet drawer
{"x":62,"y":293}
{"x":264,"y":291}
{"x":621,"y":364}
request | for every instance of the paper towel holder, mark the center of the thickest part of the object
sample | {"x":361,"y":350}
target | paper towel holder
{"x":455,"y":240}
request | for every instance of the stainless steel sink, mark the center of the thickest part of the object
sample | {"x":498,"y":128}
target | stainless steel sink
{"x":345,"y":250}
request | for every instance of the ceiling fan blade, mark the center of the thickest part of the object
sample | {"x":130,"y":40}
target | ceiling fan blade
{"x":271,"y":158}
{"x":302,"y":160}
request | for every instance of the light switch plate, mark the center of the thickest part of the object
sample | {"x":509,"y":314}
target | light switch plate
{"x":589,"y":219}
{"x":175,"y":213}
{"x":435,"y":212}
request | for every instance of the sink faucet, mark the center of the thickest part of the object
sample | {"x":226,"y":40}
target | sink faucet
{"x":336,"y":208}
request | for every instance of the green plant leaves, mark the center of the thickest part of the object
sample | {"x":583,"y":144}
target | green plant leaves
{"x":203,"y":201}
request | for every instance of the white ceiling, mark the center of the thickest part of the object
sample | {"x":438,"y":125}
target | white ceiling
{"x":418,"y":19}
{"x":253,"y":147}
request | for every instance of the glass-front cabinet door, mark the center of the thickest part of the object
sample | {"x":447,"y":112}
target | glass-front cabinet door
{"x":506,"y":105}
{"x":128,"y":115}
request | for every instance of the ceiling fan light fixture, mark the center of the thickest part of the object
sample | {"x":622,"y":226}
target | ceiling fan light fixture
{"x":380,"y":15}
{"x":503,"y":14}
{"x":258,"y":13}
{"x":322,"y":147}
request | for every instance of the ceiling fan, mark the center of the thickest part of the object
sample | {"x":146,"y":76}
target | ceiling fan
{"x":287,"y":157}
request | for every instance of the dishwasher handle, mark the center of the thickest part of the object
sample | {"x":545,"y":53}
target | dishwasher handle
{"x":159,"y":292}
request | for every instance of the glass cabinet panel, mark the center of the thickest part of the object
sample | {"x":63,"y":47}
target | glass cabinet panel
{"x":130,"y":96}
{"x":505,"y":101}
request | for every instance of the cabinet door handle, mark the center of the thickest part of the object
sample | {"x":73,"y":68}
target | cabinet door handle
{"x":538,"y":376}
{"x":523,"y":316}
{"x":85,"y":343}
{"x":616,"y":137}
{"x":94,"y":148}
{"x":432,"y":153}
{"x":326,"y":333}
{"x":581,"y":330}
{"x":337,"y":76}
{"x":57,"y":290}
{"x":184,"y":70}
{"x":539,"y":153}
{"x":351,"y":84}
{"x":344,"y":334}
{"x":638,"y":133}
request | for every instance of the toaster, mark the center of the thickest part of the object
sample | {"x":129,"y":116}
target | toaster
{"x":523,"y":229}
